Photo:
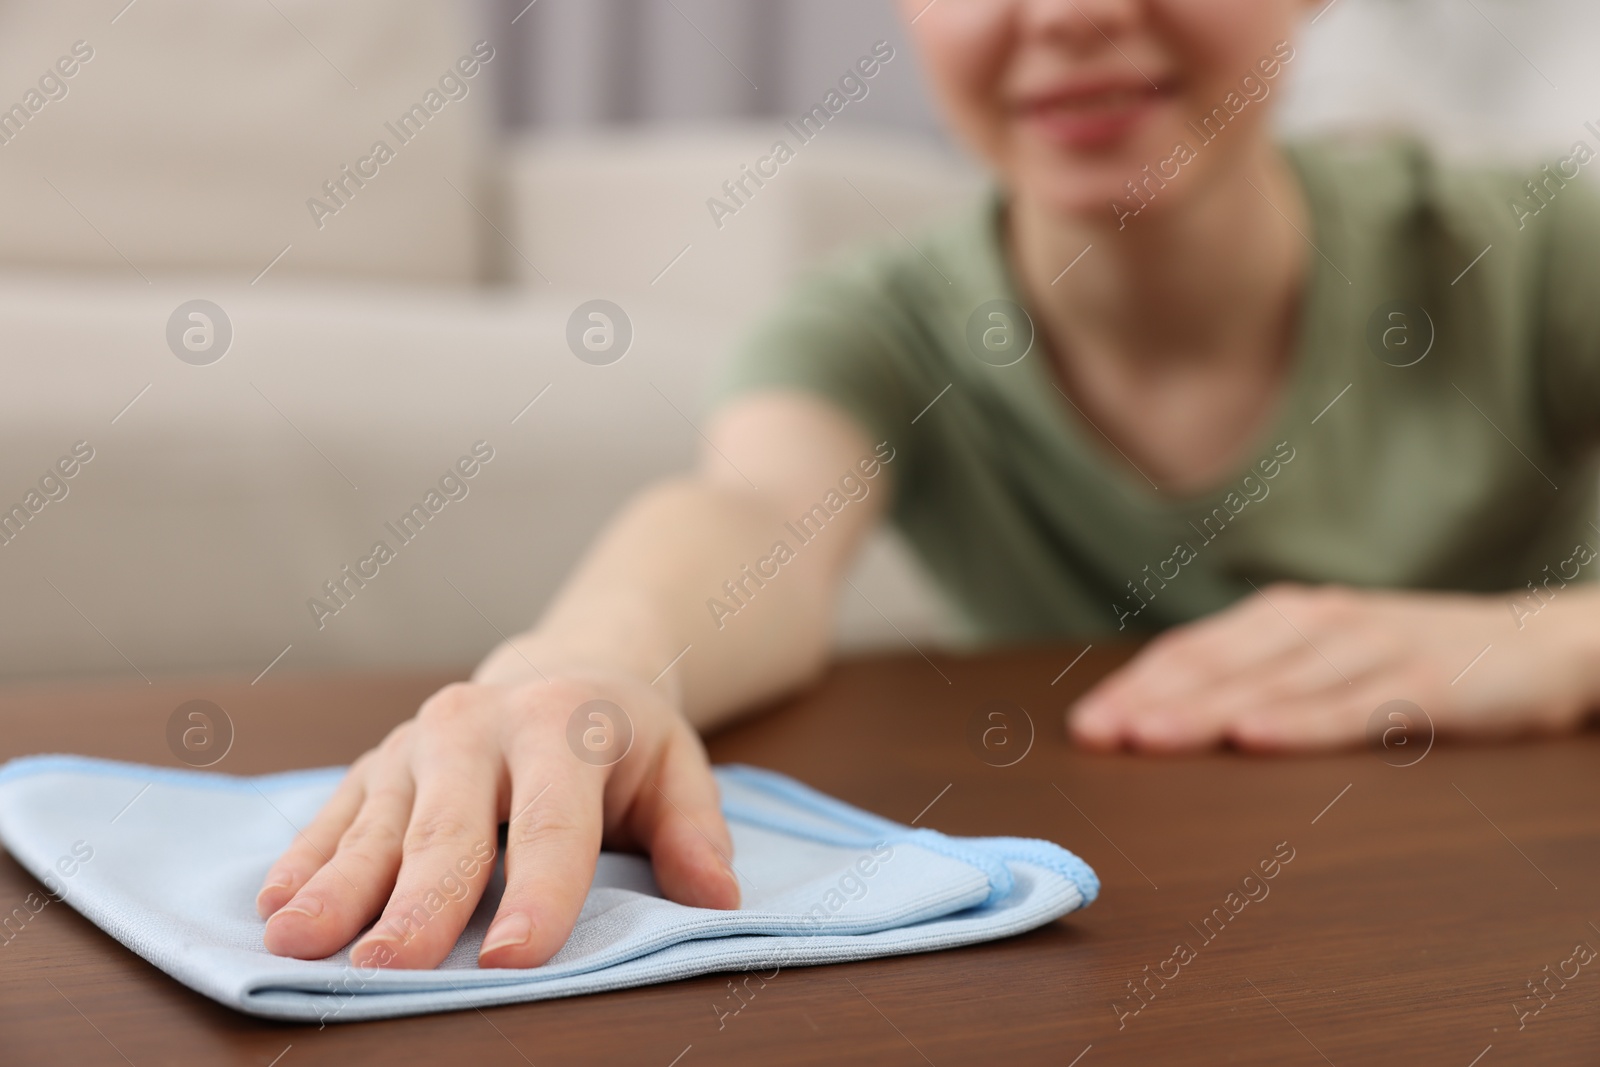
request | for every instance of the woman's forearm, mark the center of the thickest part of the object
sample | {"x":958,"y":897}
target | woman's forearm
{"x":641,"y":597}
{"x":690,"y":574}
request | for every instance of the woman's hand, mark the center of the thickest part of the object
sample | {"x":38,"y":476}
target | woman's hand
{"x":411,"y":833}
{"x":1299,"y":667}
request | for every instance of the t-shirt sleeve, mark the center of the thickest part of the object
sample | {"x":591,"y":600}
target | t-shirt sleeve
{"x":840,"y":336}
{"x":1570,"y":342}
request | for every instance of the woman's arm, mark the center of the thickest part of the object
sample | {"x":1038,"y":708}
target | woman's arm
{"x":409,"y":836}
{"x":645,"y":591}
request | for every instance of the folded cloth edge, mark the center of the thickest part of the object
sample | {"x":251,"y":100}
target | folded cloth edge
{"x":984,"y":853}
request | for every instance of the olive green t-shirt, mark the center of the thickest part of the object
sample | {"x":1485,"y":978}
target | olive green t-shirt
{"x":1439,"y":427}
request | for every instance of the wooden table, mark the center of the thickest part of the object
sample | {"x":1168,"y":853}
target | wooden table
{"x":1419,"y":902}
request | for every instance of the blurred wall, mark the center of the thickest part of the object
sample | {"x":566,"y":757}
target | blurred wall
{"x":1477,"y":77}
{"x":583,"y":63}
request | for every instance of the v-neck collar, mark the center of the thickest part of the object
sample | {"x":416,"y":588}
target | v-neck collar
{"x":1031,"y":388}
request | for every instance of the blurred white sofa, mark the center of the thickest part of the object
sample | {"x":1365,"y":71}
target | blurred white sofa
{"x":370,"y":354}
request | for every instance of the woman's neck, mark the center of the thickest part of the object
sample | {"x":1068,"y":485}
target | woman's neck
{"x":1173,"y":335}
{"x":1208,"y":281}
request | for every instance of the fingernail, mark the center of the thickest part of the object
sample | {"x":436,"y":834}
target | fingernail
{"x":308,"y":906}
{"x":374,"y":947}
{"x":1158,"y":726}
{"x":506,"y":932}
{"x":1253,"y":731}
{"x":270,"y":887}
{"x":1091,"y":720}
{"x":733,"y":880}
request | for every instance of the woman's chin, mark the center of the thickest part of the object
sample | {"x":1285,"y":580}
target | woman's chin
{"x":1072,"y":200}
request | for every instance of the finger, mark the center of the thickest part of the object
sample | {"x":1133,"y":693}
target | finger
{"x":1245,"y":635}
{"x":552,"y":844}
{"x":1163,"y":674}
{"x":1332,"y":720}
{"x":313,"y":845}
{"x":447,"y":853}
{"x":1202,"y":719}
{"x":680,"y":821}
{"x":348,"y":890}
{"x":1177,"y":668}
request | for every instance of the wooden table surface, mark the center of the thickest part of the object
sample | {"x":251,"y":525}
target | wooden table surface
{"x":1419,"y":903}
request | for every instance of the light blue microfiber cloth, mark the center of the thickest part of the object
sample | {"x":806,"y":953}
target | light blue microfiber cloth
{"x":169,"y":861}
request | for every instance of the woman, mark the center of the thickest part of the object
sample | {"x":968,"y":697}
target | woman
{"x":1246,"y":405}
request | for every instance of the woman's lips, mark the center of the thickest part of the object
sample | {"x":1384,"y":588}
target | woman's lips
{"x":1089,"y":122}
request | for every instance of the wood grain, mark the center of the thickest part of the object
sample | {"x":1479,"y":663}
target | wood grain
{"x":1404,"y":930}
